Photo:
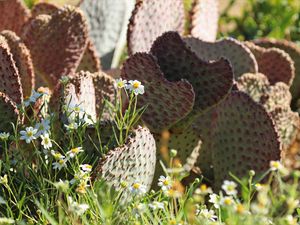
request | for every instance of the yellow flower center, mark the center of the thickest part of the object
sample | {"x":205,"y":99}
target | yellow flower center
{"x":74,"y":150}
{"x":120,"y":84}
{"x":227,"y":201}
{"x":240,"y":209}
{"x":203,"y":187}
{"x":57,"y":155}
{"x":166,"y":182}
{"x":61,"y":161}
{"x":135,"y":85}
{"x":172,"y":222}
{"x":136,"y":186}
{"x":29,"y":134}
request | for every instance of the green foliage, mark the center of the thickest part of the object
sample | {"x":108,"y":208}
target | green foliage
{"x":263,"y":18}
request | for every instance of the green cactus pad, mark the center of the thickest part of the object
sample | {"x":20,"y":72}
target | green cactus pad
{"x":43,"y":8}
{"x":80,"y":92}
{"x":130,"y":163}
{"x":105,"y":89}
{"x":244,"y":138}
{"x":211,"y":80}
{"x":255,"y":85}
{"x":294,"y":51}
{"x":276,"y":64}
{"x":13,"y":14}
{"x":90,"y":60}
{"x":150,"y":19}
{"x":63,"y":35}
{"x":240,"y":57}
{"x":10,"y":82}
{"x":8,"y":113}
{"x":108,"y":20}
{"x":204,"y":19}
{"x":22,"y":58}
{"x":167,"y":102}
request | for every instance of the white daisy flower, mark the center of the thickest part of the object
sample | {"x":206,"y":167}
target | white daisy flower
{"x":74,"y":151}
{"x":208,"y":214}
{"x":156,"y":205}
{"x":43,"y":127}
{"x":46,"y":141}
{"x":71,"y":126}
{"x":137,"y":189}
{"x":203,"y":190}
{"x":32,"y":99}
{"x":28,"y":134}
{"x":136,"y":87}
{"x":56,"y":155}
{"x":227,"y":201}
{"x":76,"y":208}
{"x":215,"y":200}
{"x":138,"y":209}
{"x":59,"y":164}
{"x":79,"y":176}
{"x":229,"y":187}
{"x":121,"y":83}
{"x":165,"y":182}
{"x":4,"y":136}
{"x":86,"y":167}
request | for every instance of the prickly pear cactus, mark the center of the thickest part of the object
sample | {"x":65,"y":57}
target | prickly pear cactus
{"x":63,"y":2}
{"x":108,"y":20}
{"x":294,"y":52}
{"x":22,"y":58}
{"x":276,"y":100}
{"x":64,"y":35}
{"x":13,"y":14}
{"x":8,"y":113}
{"x":240,"y":57}
{"x":150,"y":19}
{"x":167,"y":102}
{"x":244,"y":138}
{"x":204,"y":19}
{"x":133,"y":162}
{"x":10,"y":82}
{"x":276,"y":64}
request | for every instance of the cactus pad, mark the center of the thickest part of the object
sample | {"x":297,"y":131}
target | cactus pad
{"x":294,"y":52}
{"x":204,"y":19}
{"x":90,"y":60}
{"x":13,"y":14}
{"x":211,"y":80}
{"x":276,"y":64}
{"x":108,"y":20}
{"x":8,"y":113}
{"x":244,"y":138}
{"x":105,"y":89}
{"x":64,"y":35}
{"x":80,"y":92}
{"x":10,"y":82}
{"x":167,"y":102}
{"x":240,"y":57}
{"x":130,"y":163}
{"x":22,"y":58}
{"x":150,"y":19}
{"x":63,"y":2}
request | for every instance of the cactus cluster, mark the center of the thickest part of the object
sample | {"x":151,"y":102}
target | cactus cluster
{"x":225,"y":103}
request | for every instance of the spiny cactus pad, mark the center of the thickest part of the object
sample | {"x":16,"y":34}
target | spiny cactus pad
{"x":90,"y":60}
{"x":10,"y":82}
{"x":8,"y":113}
{"x":63,"y":35}
{"x":22,"y":58}
{"x":80,"y":92}
{"x":254,"y":85}
{"x":204,"y":19}
{"x":107,"y":19}
{"x":244,"y":138}
{"x":211,"y":80}
{"x":150,"y":19}
{"x":105,"y":89}
{"x":240,"y":57}
{"x":13,"y":14}
{"x":276,"y":64}
{"x":294,"y":52}
{"x":130,"y":163}
{"x":167,"y":102}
